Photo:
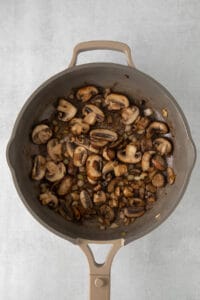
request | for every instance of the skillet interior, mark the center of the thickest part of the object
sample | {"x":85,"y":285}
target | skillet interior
{"x":136,"y":85}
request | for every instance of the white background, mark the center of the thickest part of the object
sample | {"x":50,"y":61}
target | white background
{"x":36,"y":41}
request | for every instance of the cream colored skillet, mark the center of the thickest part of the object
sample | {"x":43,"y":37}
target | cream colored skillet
{"x":135,"y":84}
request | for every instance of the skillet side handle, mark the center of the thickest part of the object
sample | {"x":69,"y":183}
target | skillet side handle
{"x":100,"y":273}
{"x":102,"y":45}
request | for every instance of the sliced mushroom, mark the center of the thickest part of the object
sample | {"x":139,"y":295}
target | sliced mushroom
{"x":163,"y":146}
{"x":94,"y":166}
{"x":86,"y":144}
{"x":65,"y":185}
{"x":49,"y":199}
{"x":170,"y":175}
{"x":116,"y":101}
{"x":158,"y":180}
{"x":66,"y":111}
{"x":107,"y":213}
{"x":39,"y":167}
{"x":146,"y":160}
{"x":157,"y":127}
{"x":128,"y":191}
{"x":92,"y":114}
{"x":130,"y":114}
{"x":142,"y":124}
{"x":141,"y":176}
{"x":86,"y":93}
{"x":129,"y":155}
{"x":41,"y":134}
{"x":133,"y":212}
{"x":108,"y":153}
{"x":80,"y":156}
{"x":85,"y":199}
{"x":78,"y":126}
{"x":148,"y":112}
{"x":70,"y":147}
{"x":159,"y":162}
{"x":55,"y":171}
{"x":109,"y":167}
{"x":102,"y":136}
{"x":99,"y":197}
{"x":54,"y":149}
{"x":112,"y":184}
{"x":120,"y":170}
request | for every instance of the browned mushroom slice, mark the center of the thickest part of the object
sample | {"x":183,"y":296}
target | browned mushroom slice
{"x":85,"y":199}
{"x":92,"y":114}
{"x":158,"y":180}
{"x":129,"y":155}
{"x":128,"y":191}
{"x":78,"y":126}
{"x":163,"y":146}
{"x":80,"y":156}
{"x":116,"y":101}
{"x":133,"y":212}
{"x":39,"y":167}
{"x":112,"y":184}
{"x":65,"y":186}
{"x":130,"y":114}
{"x":102,"y":136}
{"x":94,"y":166}
{"x":120,"y":170}
{"x":109,"y":167}
{"x":86,"y":93}
{"x":170,"y":175}
{"x":142,"y":124}
{"x":48,"y":198}
{"x":146,"y":160}
{"x":107,"y":213}
{"x":157,"y":127}
{"x":55,"y":172}
{"x":41,"y":134}
{"x":66,"y":111}
{"x":159,"y":162}
{"x":69,"y":149}
{"x":54,"y":149}
{"x":108,"y":153}
{"x":99,"y":197}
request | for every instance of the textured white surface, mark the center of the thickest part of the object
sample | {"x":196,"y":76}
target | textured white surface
{"x":36,"y":41}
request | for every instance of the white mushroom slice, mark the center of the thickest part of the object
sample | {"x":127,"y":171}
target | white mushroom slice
{"x":55,"y":172}
{"x":129,"y":155}
{"x":94,"y":166}
{"x":92,"y":114}
{"x":70,"y":147}
{"x":120,"y":170}
{"x":99,"y":197}
{"x":80,"y":156}
{"x":48,"y":198}
{"x":146,"y":160}
{"x":39,"y":167}
{"x":170,"y":175}
{"x":108,"y":154}
{"x":85,"y":199}
{"x":130,"y":114}
{"x":163,"y":146}
{"x":134,"y":212}
{"x":65,"y":186}
{"x":78,"y":126}
{"x":102,"y":136}
{"x":86,"y":145}
{"x":158,"y":180}
{"x":116,"y":101}
{"x":66,"y":111}
{"x":157,"y":127}
{"x":54,"y":149}
{"x":86,"y":93}
{"x":41,"y":134}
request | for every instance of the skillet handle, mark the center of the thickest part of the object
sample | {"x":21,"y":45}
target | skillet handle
{"x":100,"y":273}
{"x":102,"y":45}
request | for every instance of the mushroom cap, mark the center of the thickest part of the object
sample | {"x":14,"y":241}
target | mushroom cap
{"x":163,"y":146}
{"x":39,"y":167}
{"x":48,"y":198}
{"x":80,"y":156}
{"x":41,"y":134}
{"x":65,"y":186}
{"x":66,"y":111}
{"x":86,"y":93}
{"x":130,"y":114}
{"x":55,"y":172}
{"x":157,"y":127}
{"x":158,"y":180}
{"x":92,"y":114}
{"x":116,"y":101}
{"x":54,"y":149}
{"x":129,"y":155}
{"x":94,"y":166}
